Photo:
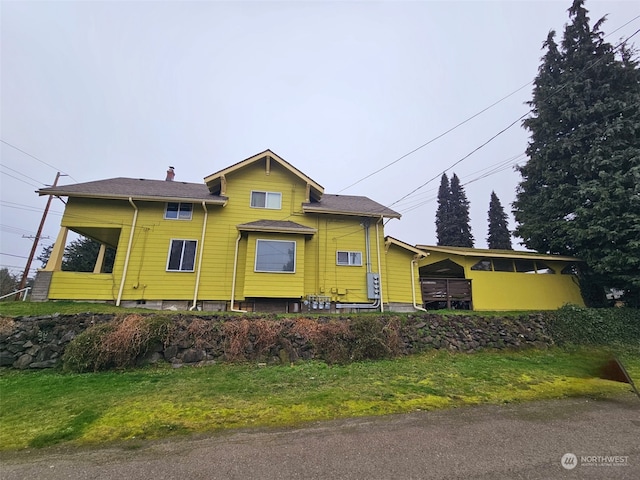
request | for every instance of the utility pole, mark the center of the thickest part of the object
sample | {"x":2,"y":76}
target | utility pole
{"x":23,"y":282}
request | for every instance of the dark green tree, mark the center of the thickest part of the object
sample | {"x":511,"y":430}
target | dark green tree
{"x":80,"y":256}
{"x":499,"y":235}
{"x":452,"y":216}
{"x":580,"y":189}
{"x":443,"y":213}
{"x":460,"y":215}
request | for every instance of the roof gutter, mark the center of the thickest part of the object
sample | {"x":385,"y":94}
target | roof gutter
{"x":204,"y":231}
{"x":126,"y":259}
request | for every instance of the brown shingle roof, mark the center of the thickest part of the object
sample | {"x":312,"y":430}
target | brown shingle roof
{"x":276,"y":226}
{"x":351,"y":205}
{"x":138,"y":189}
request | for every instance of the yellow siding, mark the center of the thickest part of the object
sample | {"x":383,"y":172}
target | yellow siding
{"x":83,"y":286}
{"x":398,"y":276}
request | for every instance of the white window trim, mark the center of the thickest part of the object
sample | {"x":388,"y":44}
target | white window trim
{"x":266,"y":201}
{"x":348,"y":252}
{"x":295,"y":252}
{"x":166,"y":207}
{"x":195,"y":252}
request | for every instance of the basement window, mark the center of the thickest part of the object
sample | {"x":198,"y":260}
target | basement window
{"x":353,"y":259}
{"x":270,"y":200}
{"x":182,"y":255}
{"x":178,"y":211}
{"x":275,"y":256}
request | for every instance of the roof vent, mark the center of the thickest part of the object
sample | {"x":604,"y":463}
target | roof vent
{"x":170,"y":175}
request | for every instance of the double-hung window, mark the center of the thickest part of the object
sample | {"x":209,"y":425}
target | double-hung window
{"x":182,"y":255}
{"x":275,"y":256}
{"x":270,"y":200}
{"x":349,"y":258}
{"x":178,"y":211}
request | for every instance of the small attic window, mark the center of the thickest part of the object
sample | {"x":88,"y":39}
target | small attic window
{"x":270,"y":200}
{"x":178,"y":211}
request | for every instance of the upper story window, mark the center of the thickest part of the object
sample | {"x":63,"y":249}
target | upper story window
{"x":182,"y":255}
{"x":275,"y":256}
{"x":271,"y":200}
{"x":349,"y":258}
{"x":178,"y":211}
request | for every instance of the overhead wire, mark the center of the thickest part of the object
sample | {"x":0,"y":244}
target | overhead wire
{"x":556,"y":92}
{"x":39,"y":160}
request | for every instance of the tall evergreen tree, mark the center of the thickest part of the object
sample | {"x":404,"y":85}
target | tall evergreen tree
{"x":460,"y":215}
{"x":452,"y":216}
{"x":443,"y":214}
{"x":580,"y":189}
{"x":499,"y":235}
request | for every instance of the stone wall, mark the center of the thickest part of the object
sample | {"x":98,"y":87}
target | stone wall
{"x":39,"y":342}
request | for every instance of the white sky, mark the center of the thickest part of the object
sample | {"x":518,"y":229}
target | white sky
{"x":338,"y":89}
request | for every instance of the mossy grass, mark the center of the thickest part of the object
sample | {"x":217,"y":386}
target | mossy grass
{"x":44,"y":408}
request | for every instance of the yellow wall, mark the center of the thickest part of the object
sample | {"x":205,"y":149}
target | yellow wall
{"x":398,"y":276}
{"x":514,"y":290}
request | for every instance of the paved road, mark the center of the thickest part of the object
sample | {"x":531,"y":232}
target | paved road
{"x":524,"y":441}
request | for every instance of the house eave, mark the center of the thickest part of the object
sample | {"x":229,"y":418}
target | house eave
{"x":308,"y":209}
{"x":143,"y":198}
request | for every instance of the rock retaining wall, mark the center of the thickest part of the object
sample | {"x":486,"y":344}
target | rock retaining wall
{"x":39,"y":342}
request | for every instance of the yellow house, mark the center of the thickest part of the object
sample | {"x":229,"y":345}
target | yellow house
{"x":480,"y":279}
{"x":258,"y":235}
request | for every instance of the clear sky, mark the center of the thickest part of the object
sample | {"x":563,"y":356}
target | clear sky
{"x":339,"y":89}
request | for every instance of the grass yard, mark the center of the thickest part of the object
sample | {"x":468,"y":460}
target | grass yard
{"x":43,"y":408}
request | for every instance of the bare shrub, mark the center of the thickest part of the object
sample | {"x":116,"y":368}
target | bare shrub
{"x":331,"y":340}
{"x":118,"y":344}
{"x":7,"y":325}
{"x":236,"y":339}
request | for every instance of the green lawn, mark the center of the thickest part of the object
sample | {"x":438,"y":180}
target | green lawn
{"x":41,"y":408}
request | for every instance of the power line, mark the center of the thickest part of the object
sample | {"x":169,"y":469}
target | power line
{"x":556,"y":92}
{"x":20,"y":173}
{"x":437,"y":137}
{"x":20,"y":180}
{"x":36,"y":158}
{"x":12,"y":255}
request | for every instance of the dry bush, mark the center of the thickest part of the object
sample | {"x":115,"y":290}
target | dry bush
{"x":7,"y":325}
{"x":204,"y":333}
{"x":265,"y":335}
{"x":332,"y":340}
{"x":236,"y":339}
{"x":117,"y":344}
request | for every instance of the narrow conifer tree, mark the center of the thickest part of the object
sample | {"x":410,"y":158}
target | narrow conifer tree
{"x":499,"y":236}
{"x":452,"y":216}
{"x":443,"y":214}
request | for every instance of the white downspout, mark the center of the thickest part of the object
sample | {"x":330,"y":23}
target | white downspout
{"x":413,"y":287}
{"x":233,"y":280}
{"x":204,"y":231}
{"x":379,"y":266}
{"x":126,"y":258}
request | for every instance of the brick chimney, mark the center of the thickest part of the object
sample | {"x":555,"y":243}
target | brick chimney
{"x":170,"y":175}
